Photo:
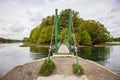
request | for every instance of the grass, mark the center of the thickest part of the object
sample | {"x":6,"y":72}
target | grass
{"x":47,"y":68}
{"x":75,"y":68}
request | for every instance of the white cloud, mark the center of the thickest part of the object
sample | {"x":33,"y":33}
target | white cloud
{"x":19,"y":17}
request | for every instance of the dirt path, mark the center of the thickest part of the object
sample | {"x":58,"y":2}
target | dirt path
{"x":93,"y":71}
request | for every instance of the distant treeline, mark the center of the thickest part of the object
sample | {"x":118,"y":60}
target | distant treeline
{"x":3,"y":40}
{"x":116,"y":39}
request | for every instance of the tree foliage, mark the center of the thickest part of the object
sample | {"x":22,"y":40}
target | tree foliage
{"x":96,"y":30}
{"x":42,"y":33}
{"x":83,"y":37}
{"x":86,"y":31}
{"x":45,"y":35}
{"x":116,"y":39}
{"x":63,"y":35}
{"x":34,"y":35}
{"x":4,"y":40}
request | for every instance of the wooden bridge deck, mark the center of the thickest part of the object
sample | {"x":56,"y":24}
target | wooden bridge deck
{"x":63,"y":49}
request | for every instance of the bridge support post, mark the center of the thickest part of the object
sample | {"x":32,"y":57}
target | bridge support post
{"x":70,"y":30}
{"x":56,"y":30}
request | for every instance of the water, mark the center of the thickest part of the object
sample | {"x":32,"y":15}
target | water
{"x":12,"y":55}
{"x":106,"y":56}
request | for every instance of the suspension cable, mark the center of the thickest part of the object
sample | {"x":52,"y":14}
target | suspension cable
{"x":50,"y":47}
{"x":52,"y":34}
{"x":74,"y":40}
{"x":75,"y":48}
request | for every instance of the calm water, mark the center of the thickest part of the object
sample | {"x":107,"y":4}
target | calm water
{"x":12,"y":55}
{"x":106,"y":56}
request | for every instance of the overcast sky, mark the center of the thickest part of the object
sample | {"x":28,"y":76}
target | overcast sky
{"x":19,"y":17}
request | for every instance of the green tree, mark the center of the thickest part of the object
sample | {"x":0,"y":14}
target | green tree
{"x":45,"y":35}
{"x":34,"y":35}
{"x":96,"y":30}
{"x":63,"y":35}
{"x":83,"y":38}
{"x":91,"y":30}
{"x":64,"y":16}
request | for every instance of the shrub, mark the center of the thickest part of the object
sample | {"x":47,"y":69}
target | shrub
{"x":75,"y":69}
{"x":46,"y":68}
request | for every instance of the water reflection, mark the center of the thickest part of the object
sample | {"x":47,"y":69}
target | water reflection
{"x":95,"y":54}
{"x":38,"y":52}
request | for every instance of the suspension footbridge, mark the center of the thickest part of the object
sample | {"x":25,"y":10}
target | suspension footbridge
{"x":68,"y":51}
{"x":65,"y":48}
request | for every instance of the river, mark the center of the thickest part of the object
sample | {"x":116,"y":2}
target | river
{"x":12,"y":55}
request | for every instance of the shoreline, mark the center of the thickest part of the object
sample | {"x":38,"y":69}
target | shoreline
{"x":79,"y":46}
{"x":98,"y":45}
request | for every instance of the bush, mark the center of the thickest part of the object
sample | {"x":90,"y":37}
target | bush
{"x":75,"y":69}
{"x":46,"y":68}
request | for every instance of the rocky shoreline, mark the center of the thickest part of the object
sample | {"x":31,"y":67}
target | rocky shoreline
{"x":92,"y":70}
